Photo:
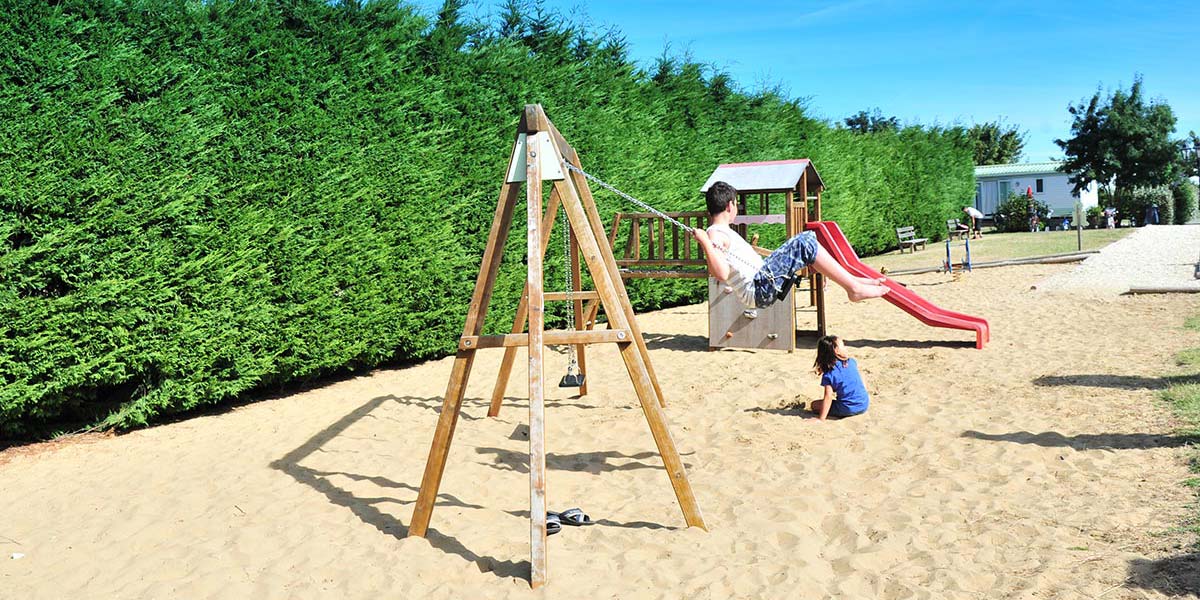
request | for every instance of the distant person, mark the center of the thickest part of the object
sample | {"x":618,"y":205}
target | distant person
{"x":845,"y":389}
{"x":1110,"y":218}
{"x":1152,"y":215}
{"x":1035,"y":223}
{"x":976,"y":227}
{"x":760,"y":283}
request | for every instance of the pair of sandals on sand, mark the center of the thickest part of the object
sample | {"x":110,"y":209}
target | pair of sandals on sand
{"x":572,"y":516}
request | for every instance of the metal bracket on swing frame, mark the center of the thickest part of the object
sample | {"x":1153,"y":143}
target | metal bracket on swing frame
{"x":551,"y":164}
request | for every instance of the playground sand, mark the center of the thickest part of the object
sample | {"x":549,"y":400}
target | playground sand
{"x":1040,"y":467}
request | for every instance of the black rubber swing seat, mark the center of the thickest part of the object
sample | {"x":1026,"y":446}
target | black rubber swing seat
{"x":571,"y":380}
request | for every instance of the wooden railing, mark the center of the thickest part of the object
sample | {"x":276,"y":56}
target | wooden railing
{"x":655,"y":248}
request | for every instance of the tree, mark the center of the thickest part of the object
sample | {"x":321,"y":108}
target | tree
{"x":1190,"y":151}
{"x":996,"y":143}
{"x":1122,"y":141}
{"x":871,"y":122}
{"x":448,"y":35}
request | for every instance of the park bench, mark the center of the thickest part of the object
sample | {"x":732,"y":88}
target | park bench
{"x":909,"y":239}
{"x":954,"y":228}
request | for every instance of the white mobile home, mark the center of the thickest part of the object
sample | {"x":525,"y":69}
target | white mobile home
{"x":994,"y":182}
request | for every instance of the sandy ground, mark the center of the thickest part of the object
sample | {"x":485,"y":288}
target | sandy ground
{"x":1040,"y":467}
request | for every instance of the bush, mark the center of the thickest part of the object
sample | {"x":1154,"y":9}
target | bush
{"x":205,"y":200}
{"x":1013,"y":213}
{"x":1132,"y":203}
{"x":1185,"y":195}
{"x":1095,"y":217}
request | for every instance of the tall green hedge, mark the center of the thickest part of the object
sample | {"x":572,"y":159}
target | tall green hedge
{"x":1133,"y":202}
{"x":1184,"y":195}
{"x":203,"y":200}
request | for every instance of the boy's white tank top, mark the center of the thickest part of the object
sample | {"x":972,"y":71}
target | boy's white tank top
{"x":743,"y":261}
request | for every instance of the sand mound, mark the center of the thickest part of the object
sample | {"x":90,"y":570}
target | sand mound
{"x":1039,"y":467}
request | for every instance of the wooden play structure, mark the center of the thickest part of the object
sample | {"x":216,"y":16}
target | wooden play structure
{"x":540,"y":154}
{"x":786,"y":192}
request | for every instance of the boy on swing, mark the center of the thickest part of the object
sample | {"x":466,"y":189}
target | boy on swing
{"x":760,"y":283}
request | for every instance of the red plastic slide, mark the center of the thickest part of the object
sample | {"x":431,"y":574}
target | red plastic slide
{"x":834,"y":241}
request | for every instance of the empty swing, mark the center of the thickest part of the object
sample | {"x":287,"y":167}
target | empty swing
{"x":573,"y":378}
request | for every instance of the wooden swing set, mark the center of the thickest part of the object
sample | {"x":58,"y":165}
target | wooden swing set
{"x":540,"y":153}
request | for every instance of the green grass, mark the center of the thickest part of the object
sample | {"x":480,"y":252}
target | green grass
{"x":1183,"y":396}
{"x":1192,"y":323}
{"x":1188,"y":358}
{"x":1002,"y":246}
{"x":1185,"y":400}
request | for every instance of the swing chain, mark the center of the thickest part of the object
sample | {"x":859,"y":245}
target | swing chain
{"x":572,"y":361}
{"x":653,"y":210}
{"x":614,"y":190}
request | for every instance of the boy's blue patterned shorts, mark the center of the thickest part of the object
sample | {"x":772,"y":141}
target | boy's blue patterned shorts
{"x":778,"y":273}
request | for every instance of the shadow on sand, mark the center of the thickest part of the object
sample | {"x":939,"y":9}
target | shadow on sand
{"x":1120,"y":382}
{"x":367,"y":509}
{"x":1096,"y":441}
{"x":581,"y":462}
{"x":1176,"y":576}
{"x":911,"y":344}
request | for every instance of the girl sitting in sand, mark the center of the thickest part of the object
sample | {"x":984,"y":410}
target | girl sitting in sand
{"x":845,"y":389}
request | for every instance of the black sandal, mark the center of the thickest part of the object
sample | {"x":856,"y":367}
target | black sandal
{"x":573,"y":517}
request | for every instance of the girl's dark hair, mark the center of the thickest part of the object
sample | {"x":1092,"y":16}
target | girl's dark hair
{"x":827,"y":357}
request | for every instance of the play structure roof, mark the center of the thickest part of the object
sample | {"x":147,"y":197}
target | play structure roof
{"x":768,"y":176}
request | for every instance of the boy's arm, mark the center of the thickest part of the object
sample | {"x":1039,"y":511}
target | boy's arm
{"x":714,"y":253}
{"x":826,"y":402}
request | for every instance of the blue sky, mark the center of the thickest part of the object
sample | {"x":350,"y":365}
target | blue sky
{"x":923,"y":61}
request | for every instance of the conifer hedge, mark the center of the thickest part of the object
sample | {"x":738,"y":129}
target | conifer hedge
{"x":200,"y":201}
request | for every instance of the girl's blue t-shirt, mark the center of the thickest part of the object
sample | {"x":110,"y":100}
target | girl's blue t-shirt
{"x":851,"y":396}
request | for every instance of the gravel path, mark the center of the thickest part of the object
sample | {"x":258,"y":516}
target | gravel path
{"x":1153,"y":256}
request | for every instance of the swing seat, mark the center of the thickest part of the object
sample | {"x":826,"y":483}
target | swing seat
{"x":572,"y":380}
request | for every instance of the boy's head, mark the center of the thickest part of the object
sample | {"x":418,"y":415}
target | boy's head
{"x":719,"y":196}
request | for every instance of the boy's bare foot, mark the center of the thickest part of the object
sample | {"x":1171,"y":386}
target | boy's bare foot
{"x":864,"y":291}
{"x":871,"y":280}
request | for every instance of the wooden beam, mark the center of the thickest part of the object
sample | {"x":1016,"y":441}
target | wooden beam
{"x":662,"y":248}
{"x":435,"y":465}
{"x":1178,"y":289}
{"x":647,"y":262}
{"x":788,"y":216}
{"x":659,"y":274}
{"x":580,"y":295}
{"x":537,"y":414}
{"x":558,"y":337}
{"x":616,"y":305}
{"x":804,"y":196}
{"x":681,"y":215}
{"x":589,"y":206}
{"x":510,"y":353}
{"x":636,"y":238}
{"x":687,"y":240}
{"x":818,"y":287}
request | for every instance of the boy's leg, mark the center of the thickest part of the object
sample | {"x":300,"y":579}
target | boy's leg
{"x":857,"y":288}
{"x":779,"y":270}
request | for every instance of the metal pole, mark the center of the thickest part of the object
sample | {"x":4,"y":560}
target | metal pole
{"x":1079,"y":225}
{"x":949,"y":265}
{"x":967,"y":243}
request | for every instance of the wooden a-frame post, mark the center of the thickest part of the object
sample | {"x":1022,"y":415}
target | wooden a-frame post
{"x":540,"y":147}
